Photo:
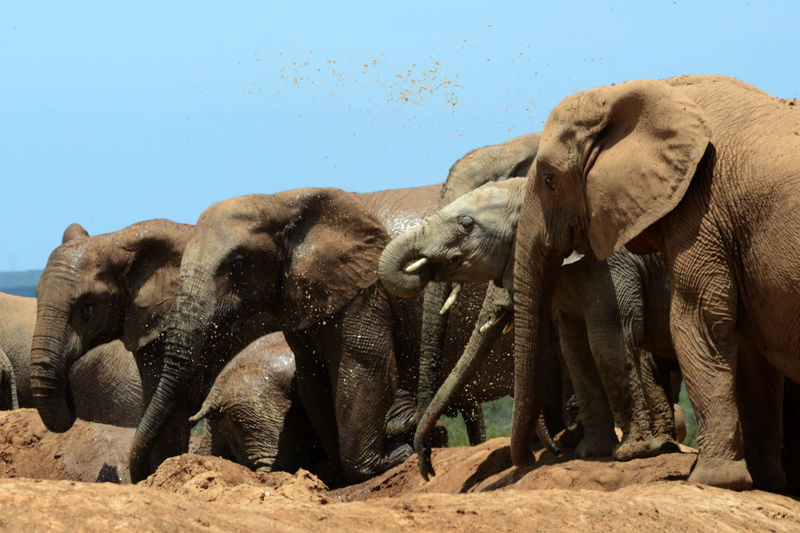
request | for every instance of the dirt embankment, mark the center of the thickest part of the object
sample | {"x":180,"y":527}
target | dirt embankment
{"x":476,"y":489}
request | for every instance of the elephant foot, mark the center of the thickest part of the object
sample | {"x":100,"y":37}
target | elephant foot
{"x":596,"y":446}
{"x":637,"y":448}
{"x":570,"y":437}
{"x":767,"y":472}
{"x":723,"y":473}
{"x":668,"y":445}
{"x":397,"y":456}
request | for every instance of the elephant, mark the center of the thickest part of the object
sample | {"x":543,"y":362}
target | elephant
{"x":488,"y":164}
{"x":115,"y":286}
{"x":108,"y":367}
{"x":615,"y":311}
{"x":253,"y":413}
{"x":706,"y":171}
{"x":303,"y":262}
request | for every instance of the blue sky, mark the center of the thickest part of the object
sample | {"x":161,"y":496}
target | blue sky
{"x":115,"y":112}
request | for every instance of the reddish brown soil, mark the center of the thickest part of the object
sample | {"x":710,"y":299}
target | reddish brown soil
{"x":476,"y":489}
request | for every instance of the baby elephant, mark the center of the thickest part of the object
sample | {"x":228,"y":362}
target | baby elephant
{"x":253,"y":413}
{"x":612,"y":315}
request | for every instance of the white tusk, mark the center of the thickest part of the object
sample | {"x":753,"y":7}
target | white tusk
{"x":574,"y":257}
{"x":450,"y":299}
{"x":508,"y":327}
{"x":416,"y":265}
{"x":489,"y":325}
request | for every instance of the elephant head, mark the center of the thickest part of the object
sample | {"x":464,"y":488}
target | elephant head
{"x":470,"y":239}
{"x":257,"y":264}
{"x":94,"y":290}
{"x":612,"y":161}
{"x":491,"y":163}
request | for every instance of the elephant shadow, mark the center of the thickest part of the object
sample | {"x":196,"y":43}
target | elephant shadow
{"x":499,"y":460}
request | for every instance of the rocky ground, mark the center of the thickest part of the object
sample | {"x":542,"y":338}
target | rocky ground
{"x":476,"y":489}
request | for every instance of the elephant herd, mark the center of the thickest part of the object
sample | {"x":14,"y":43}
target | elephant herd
{"x":650,"y":233}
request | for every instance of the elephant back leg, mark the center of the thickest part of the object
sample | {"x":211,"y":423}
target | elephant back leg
{"x":476,"y":426}
{"x":8,"y":384}
{"x":655,"y":382}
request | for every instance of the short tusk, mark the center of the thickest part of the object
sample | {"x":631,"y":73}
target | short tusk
{"x":574,"y":257}
{"x":450,"y":299}
{"x":508,"y":327}
{"x":489,"y":325}
{"x":416,"y":265}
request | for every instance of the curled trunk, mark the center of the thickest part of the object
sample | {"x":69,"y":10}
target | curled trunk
{"x":399,"y":267}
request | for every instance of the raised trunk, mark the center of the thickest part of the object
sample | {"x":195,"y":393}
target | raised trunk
{"x":535,"y":271}
{"x":50,"y":389}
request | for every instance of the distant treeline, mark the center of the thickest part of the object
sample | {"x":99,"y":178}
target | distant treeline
{"x":22,"y":283}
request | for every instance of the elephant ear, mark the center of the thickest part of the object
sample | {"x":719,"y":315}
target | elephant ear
{"x":154,"y":249}
{"x":644,"y":142}
{"x":73,"y":231}
{"x":334,"y":245}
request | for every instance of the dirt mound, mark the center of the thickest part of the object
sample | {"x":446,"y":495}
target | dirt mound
{"x":488,"y":467}
{"x":87,"y":452}
{"x":212,"y":479}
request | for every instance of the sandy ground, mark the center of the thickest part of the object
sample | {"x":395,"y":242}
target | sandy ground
{"x":476,"y":489}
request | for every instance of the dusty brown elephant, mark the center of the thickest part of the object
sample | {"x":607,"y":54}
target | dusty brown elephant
{"x":96,"y":289}
{"x":705,"y":170}
{"x":108,"y":367}
{"x":611,"y":316}
{"x":303,"y":262}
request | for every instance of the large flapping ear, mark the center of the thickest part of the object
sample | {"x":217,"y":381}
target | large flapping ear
{"x":642,"y":143}
{"x":334,"y":245}
{"x":74,"y":231}
{"x":154,"y":249}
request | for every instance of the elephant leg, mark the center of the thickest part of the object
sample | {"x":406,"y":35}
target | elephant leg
{"x":655,"y":384}
{"x":599,"y":438}
{"x":8,"y":384}
{"x":759,"y":388}
{"x":473,"y":419}
{"x":364,"y":378}
{"x":614,"y":356}
{"x":314,"y":390}
{"x":702,"y":325}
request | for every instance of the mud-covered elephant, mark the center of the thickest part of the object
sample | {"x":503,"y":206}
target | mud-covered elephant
{"x":491,"y":163}
{"x":705,"y":170}
{"x":106,"y":368}
{"x":253,"y":413}
{"x":611,"y":317}
{"x":303,"y":262}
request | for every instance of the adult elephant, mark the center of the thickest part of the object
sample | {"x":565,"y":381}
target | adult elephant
{"x":491,"y":163}
{"x":705,"y":170}
{"x":303,"y":262}
{"x":108,"y":367}
{"x":96,"y":289}
{"x":611,"y":316}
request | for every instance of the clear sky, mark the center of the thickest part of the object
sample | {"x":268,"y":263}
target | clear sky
{"x":115,"y":112}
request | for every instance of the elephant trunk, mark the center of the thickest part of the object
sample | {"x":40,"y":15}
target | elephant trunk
{"x":536,"y":268}
{"x":185,"y":338}
{"x":403,"y":269}
{"x":479,"y":345}
{"x":50,"y":388}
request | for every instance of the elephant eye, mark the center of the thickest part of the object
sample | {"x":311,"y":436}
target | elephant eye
{"x":87,"y":309}
{"x":550,"y":181}
{"x":466,"y":223}
{"x":237,"y":263}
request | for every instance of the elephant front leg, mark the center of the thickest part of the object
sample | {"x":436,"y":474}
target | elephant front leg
{"x":702,"y":324}
{"x":364,"y":380}
{"x":595,"y":415}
